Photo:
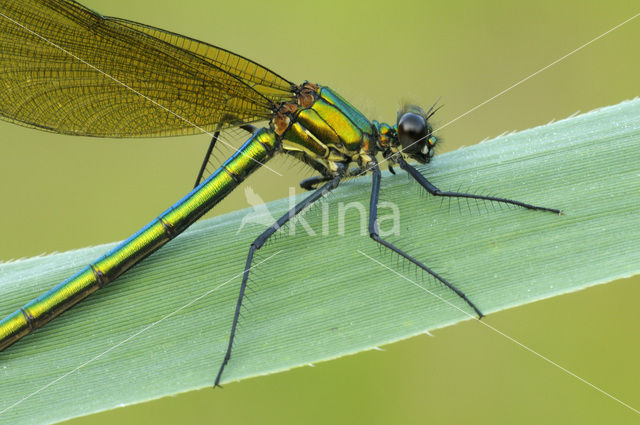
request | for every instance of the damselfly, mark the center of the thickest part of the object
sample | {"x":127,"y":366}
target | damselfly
{"x":69,"y":70}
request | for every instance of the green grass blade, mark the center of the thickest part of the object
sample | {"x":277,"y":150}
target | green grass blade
{"x":317,"y":297}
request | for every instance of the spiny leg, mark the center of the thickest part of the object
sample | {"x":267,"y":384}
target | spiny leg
{"x":417,"y":176}
{"x":207,"y":156}
{"x":375,"y":235}
{"x":258,"y":243}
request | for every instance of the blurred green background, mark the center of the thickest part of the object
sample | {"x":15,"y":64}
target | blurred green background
{"x":68,"y":192}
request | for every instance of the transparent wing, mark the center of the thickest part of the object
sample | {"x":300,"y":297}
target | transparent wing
{"x":167,"y":84}
{"x":224,"y":144}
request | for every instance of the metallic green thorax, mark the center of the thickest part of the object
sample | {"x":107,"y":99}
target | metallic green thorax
{"x":187,"y":87}
{"x":329,"y":131}
{"x":321,"y":129}
{"x":258,"y":149}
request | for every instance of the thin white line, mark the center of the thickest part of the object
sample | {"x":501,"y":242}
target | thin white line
{"x":132,"y":89}
{"x":146,"y":328}
{"x":223,"y":284}
{"x":539,"y":71}
{"x":516,"y":84}
{"x":531,"y":350}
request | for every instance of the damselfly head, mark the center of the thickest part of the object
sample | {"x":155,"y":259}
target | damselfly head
{"x":414,"y":133}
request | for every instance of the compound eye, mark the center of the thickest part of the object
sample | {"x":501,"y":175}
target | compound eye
{"x":412,"y":129}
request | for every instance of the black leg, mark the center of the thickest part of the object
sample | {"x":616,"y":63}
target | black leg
{"x":246,"y":127}
{"x":311,"y":182}
{"x":437,"y":192}
{"x":207,"y":155}
{"x":373,"y":232}
{"x":257,"y":244}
